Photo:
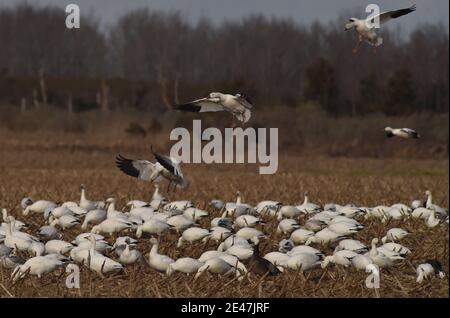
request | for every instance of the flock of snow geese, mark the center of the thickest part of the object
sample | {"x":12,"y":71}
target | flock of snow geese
{"x":236,"y":232}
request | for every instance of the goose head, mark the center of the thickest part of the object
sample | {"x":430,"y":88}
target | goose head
{"x":26,"y":202}
{"x":388,"y":129}
{"x":350,"y":24}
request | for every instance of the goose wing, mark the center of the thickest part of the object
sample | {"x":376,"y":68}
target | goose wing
{"x":244,"y":100}
{"x":167,"y":163}
{"x":200,"y":106}
{"x":388,"y":15}
{"x":141,"y":169}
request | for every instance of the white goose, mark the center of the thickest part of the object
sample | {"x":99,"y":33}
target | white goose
{"x":100,"y":263}
{"x":421,"y":213}
{"x":366,"y":28}
{"x":111,"y":226}
{"x":238,"y":105}
{"x":152,"y":226}
{"x":303,"y":261}
{"x":429,"y":269}
{"x":66,"y":221}
{"x":39,"y":207}
{"x":18,"y":225}
{"x":351,"y":245}
{"x":344,"y":228}
{"x":343,"y":258}
{"x":247,"y":221}
{"x":432,"y":221}
{"x":288,"y":211}
{"x":287,"y":226}
{"x":308,"y":207}
{"x":58,"y":247}
{"x":300,"y":236}
{"x":377,"y":257}
{"x":180,"y":222}
{"x":219,"y":233}
{"x":157,"y":261}
{"x":218,"y":266}
{"x":394,"y":234}
{"x":94,"y":217}
{"x":429,"y":205}
{"x":193,"y":234}
{"x":185,"y":265}
{"x":304,"y":249}
{"x":88,"y":204}
{"x":278,"y":259}
{"x":14,"y":240}
{"x":325,"y":237}
{"x":405,"y":133}
{"x":195,"y":214}
{"x":38,"y":266}
{"x":241,"y":252}
{"x":360,"y":262}
{"x":249,"y":233}
{"x":129,"y":256}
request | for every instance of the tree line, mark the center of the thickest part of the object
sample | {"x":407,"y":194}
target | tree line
{"x":149,"y":60}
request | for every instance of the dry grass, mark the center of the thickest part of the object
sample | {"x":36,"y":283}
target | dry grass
{"x":56,"y":170}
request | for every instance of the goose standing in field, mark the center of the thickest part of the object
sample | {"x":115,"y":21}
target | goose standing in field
{"x":249,"y":233}
{"x":259,"y":265}
{"x":343,"y":258}
{"x":428,"y":269}
{"x":278,"y":259}
{"x":88,"y":204}
{"x":288,"y":211}
{"x":14,"y":240}
{"x":94,"y":217}
{"x":394,"y":234}
{"x":303,"y":261}
{"x":195,"y":214}
{"x":308,"y":207}
{"x":429,"y":205}
{"x":432,"y":221}
{"x":351,"y":245}
{"x":238,"y":105}
{"x":325,"y":237}
{"x":287,"y":226}
{"x":39,"y":207}
{"x":216,"y":204}
{"x":378,"y":257}
{"x":305,"y":249}
{"x":345,"y":228}
{"x":185,"y":265}
{"x":397,"y":248}
{"x":300,"y":236}
{"x":219,"y":233}
{"x":405,"y":133}
{"x":100,"y":263}
{"x":247,"y":221}
{"x":366,"y":29}
{"x":66,"y":221}
{"x":129,"y":256}
{"x":157,"y":261}
{"x":421,"y":213}
{"x":360,"y":262}
{"x":152,"y":226}
{"x":193,"y":234}
{"x":415,"y":204}
{"x":216,"y":265}
{"x":180,"y":222}
{"x":18,"y":225}
{"x":111,"y":226}
{"x":58,"y":247}
{"x":38,"y":265}
{"x":165,"y":167}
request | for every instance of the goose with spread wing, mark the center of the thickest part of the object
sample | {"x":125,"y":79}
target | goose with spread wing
{"x":239,"y":105}
{"x":366,"y":27}
{"x":165,"y":167}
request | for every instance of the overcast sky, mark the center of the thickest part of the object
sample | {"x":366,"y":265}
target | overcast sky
{"x":303,"y":11}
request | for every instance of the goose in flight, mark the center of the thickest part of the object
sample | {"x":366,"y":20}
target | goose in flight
{"x":406,"y":133}
{"x":238,"y":105}
{"x":165,"y":167}
{"x":365,"y":27}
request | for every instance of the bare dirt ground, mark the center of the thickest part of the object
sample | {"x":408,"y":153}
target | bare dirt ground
{"x":47,"y":169}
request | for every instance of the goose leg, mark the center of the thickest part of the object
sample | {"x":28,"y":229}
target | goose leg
{"x":355,"y":49}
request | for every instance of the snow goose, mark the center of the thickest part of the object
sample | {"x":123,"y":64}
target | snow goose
{"x":428,"y":269}
{"x":178,"y":205}
{"x":111,"y":226}
{"x":325,"y":237}
{"x":344,"y":228}
{"x":342,"y":218}
{"x":101,"y":246}
{"x":268,"y":207}
{"x":94,"y":217}
{"x":86,"y":237}
{"x":88,"y":204}
{"x":287,"y":226}
{"x":210,"y":254}
{"x":5,"y":250}
{"x":415,"y":204}
{"x":193,"y":234}
{"x":121,"y":240}
{"x":390,"y":253}
{"x":288,"y":211}
{"x":11,"y":261}
{"x":152,"y":226}
{"x":14,"y":240}
{"x":129,"y":256}
{"x":285,"y":245}
{"x":378,"y":212}
{"x":58,"y":247}
{"x":36,"y":248}
{"x":303,"y":261}
{"x":157,"y":261}
{"x":143,"y":212}
{"x":219,"y":233}
{"x":39,"y":207}
{"x":304,"y":249}
{"x":100,"y":263}
{"x":398,"y":248}
{"x":395,"y":214}
{"x":260,"y":265}
{"x":406,"y":210}
{"x":366,"y":28}
{"x":233,"y":240}
{"x":351,"y":245}
{"x":405,"y":133}
{"x":238,"y":105}
{"x":26,"y":202}
{"x":185,"y":265}
{"x":360,"y":262}
{"x":351,"y":211}
{"x":195,"y":214}
{"x":429,"y":205}
{"x":18,"y":225}
{"x":216,"y":265}
{"x":421,"y":213}
{"x":377,"y":257}
{"x":38,"y":266}
{"x":240,"y":251}
{"x":180,"y":222}
{"x":58,"y":212}
{"x":247,"y":221}
{"x":308,"y":207}
{"x":432,"y":221}
{"x":277,"y":258}
{"x":300,"y":236}
{"x":216,"y":204}
{"x":314,"y":225}
{"x":249,"y":233}
{"x":394,"y":234}
{"x":343,"y":258}
{"x":66,"y":221}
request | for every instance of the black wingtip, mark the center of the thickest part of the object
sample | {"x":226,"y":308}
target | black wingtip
{"x":389,"y":135}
